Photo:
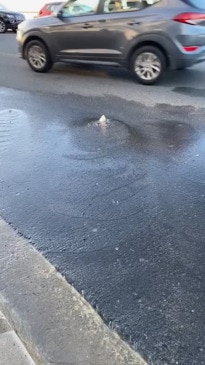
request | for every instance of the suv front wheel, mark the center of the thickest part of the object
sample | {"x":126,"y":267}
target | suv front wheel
{"x":148,"y":64}
{"x":38,"y":56}
{"x":2,"y":26}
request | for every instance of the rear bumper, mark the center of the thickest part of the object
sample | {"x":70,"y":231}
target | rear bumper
{"x":189,"y":59}
{"x":183,"y":63}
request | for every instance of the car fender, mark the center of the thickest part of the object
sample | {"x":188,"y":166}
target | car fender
{"x":41,"y":36}
{"x":3,"y":17}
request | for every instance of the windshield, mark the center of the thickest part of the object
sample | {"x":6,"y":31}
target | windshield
{"x":2,"y":7}
{"x":79,"y":7}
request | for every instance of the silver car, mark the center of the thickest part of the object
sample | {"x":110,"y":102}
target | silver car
{"x":146,"y":36}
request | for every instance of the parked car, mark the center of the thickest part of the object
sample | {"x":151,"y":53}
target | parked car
{"x":49,"y":8}
{"x":146,"y":36}
{"x":9,"y":19}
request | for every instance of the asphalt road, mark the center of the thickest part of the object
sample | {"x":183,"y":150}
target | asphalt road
{"x":178,"y":88}
{"x":117,"y":207}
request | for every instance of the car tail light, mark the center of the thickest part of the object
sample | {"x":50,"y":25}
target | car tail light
{"x":190,"y":18}
{"x":191,"y":48}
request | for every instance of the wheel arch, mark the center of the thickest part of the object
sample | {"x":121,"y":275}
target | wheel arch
{"x":144,"y":43}
{"x":3,"y":20}
{"x":31,"y":38}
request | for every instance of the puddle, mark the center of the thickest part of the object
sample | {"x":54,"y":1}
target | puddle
{"x":100,"y":135}
{"x":97,"y":137}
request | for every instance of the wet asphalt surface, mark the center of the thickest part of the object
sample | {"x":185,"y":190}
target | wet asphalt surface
{"x":118,"y":207}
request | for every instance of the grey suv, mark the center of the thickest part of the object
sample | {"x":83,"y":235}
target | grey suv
{"x":146,"y":36}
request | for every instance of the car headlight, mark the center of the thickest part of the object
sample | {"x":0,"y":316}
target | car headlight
{"x":10,"y":16}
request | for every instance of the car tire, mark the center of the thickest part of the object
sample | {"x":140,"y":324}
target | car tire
{"x":148,"y":65}
{"x":2,"y":26}
{"x":14,"y":30}
{"x":38,"y":56}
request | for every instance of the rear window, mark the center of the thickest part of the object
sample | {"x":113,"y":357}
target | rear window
{"x":197,"y":3}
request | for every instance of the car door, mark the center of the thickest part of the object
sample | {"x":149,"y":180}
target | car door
{"x":119,"y":24}
{"x":116,"y":30}
{"x":76,"y":37}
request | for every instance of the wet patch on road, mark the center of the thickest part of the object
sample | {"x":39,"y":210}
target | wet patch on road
{"x":190,"y":91}
{"x":102,"y":136}
{"x":118,"y":208}
{"x":105,"y":131}
{"x":10,"y":120}
{"x":176,"y":135}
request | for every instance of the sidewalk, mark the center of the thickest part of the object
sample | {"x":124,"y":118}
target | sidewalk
{"x":52,"y":319}
{"x":12,"y":351}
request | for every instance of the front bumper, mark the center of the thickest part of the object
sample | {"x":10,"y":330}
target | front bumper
{"x":20,"y":50}
{"x":19,"y":39}
{"x":13,"y":24}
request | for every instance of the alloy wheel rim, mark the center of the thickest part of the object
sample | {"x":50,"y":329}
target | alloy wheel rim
{"x":148,"y":66}
{"x":37,"y":57}
{"x":2,"y":26}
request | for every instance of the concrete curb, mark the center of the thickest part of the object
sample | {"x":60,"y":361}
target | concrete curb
{"x":54,"y":321}
{"x":12,"y":351}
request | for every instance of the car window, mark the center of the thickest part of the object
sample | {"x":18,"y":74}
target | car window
{"x":79,"y":7}
{"x":53,"y":7}
{"x":127,"y":5}
{"x":200,"y":4}
{"x":48,"y":7}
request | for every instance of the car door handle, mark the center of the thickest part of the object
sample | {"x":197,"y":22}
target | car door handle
{"x":134,"y":22}
{"x":87,"y":26}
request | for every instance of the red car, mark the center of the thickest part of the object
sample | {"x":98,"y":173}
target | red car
{"x":49,"y":8}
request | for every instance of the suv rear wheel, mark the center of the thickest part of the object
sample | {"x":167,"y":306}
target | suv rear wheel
{"x":148,"y":64}
{"x":38,"y":56}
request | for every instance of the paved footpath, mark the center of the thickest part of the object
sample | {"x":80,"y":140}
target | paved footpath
{"x":12,"y":350}
{"x":55,"y":323}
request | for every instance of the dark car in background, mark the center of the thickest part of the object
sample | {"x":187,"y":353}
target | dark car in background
{"x":49,"y":8}
{"x":9,"y":19}
{"x":146,"y":36}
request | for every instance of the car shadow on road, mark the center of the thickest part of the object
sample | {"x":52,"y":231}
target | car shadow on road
{"x":192,"y":78}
